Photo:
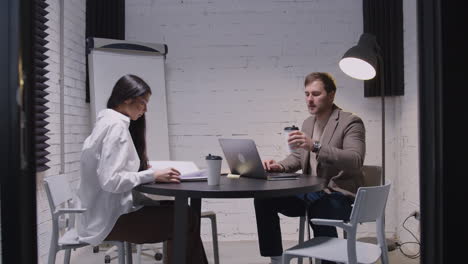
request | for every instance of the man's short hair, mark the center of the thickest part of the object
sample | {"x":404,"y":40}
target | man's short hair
{"x":326,"y":78}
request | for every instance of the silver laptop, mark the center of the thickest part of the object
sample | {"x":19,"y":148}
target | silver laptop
{"x":243,"y":159}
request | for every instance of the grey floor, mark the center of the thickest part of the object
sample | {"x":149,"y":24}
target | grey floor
{"x":239,"y":252}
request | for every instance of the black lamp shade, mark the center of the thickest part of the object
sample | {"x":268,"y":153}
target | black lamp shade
{"x":361,"y":61}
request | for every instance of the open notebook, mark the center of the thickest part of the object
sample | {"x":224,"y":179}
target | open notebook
{"x":188,"y":169}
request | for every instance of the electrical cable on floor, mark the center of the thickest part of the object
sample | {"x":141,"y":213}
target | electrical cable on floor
{"x":400,"y":245}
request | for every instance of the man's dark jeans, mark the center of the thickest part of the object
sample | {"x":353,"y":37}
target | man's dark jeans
{"x":328,"y":206}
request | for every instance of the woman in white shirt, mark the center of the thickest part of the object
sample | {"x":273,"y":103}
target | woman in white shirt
{"x":113,"y":162}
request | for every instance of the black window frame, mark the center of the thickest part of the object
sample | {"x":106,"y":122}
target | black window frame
{"x":18,"y":179}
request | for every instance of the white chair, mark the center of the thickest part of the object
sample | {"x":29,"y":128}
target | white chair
{"x":372,"y":176}
{"x":59,"y":193}
{"x":369,"y":206}
{"x":186,"y":167}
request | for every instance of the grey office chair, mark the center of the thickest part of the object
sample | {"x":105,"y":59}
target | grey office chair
{"x":64,"y":235}
{"x":372,"y":175}
{"x":369,"y":206}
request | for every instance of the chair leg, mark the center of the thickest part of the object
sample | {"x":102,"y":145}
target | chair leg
{"x":121,"y":250}
{"x":308,"y":229}
{"x":303,"y":223}
{"x":52,"y":253}
{"x":384,"y":257}
{"x":214,"y":234}
{"x":138,"y":248}
{"x":287,"y":258}
{"x":382,"y":240}
{"x":301,"y":235}
{"x":67,"y":256}
{"x":128,"y":252}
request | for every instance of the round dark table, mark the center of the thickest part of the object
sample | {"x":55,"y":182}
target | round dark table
{"x":229,"y":188}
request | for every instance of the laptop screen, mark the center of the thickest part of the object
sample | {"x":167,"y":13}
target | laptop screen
{"x":242,"y":157}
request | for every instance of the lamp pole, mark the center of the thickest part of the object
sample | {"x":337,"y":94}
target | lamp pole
{"x":391,"y":245}
{"x":382,"y":96}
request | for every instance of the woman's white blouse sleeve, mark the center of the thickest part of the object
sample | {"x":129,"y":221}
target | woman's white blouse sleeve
{"x":118,"y":162}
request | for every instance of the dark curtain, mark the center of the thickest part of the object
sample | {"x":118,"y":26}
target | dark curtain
{"x":384,"y":19}
{"x":104,"y":19}
{"x":39,"y":83}
{"x":442,"y":46}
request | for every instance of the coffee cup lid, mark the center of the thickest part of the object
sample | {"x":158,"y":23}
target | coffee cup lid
{"x":291,"y":128}
{"x":213,"y":157}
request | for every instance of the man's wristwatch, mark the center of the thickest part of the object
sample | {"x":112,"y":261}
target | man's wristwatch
{"x":316,"y":146}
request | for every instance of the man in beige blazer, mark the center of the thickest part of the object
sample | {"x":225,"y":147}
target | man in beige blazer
{"x":330,"y":145}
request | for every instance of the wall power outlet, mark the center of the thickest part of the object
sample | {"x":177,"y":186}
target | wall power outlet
{"x":416,"y":215}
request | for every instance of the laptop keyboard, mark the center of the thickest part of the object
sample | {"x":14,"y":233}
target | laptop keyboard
{"x":282,"y":174}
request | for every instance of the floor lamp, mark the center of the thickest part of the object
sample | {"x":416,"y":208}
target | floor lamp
{"x":364,"y":61}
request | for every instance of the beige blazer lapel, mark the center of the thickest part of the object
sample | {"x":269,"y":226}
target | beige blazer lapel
{"x":309,"y":130}
{"x":330,"y":128}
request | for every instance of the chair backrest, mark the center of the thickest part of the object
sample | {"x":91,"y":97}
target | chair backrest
{"x":370,"y":204}
{"x":58,"y":191}
{"x":181,"y":166}
{"x":372,"y":175}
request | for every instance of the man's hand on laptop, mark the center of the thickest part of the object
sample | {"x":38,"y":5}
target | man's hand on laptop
{"x":272,"y":166}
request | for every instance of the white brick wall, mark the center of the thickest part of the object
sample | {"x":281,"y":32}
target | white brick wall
{"x":76,"y":110}
{"x":236,"y":69}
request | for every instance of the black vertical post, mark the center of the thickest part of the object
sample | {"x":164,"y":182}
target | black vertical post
{"x":18,"y":187}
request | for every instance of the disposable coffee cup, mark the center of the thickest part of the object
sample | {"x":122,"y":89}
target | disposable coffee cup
{"x":286,"y":132}
{"x":214,"y":169}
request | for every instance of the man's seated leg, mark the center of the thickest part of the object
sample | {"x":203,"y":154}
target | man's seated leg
{"x":268,"y":224}
{"x":330,"y":206}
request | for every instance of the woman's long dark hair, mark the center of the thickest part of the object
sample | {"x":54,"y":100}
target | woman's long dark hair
{"x":129,"y":87}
